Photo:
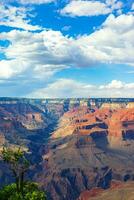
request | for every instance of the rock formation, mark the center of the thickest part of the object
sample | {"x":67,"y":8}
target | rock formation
{"x":88,"y":150}
{"x":75,"y":151}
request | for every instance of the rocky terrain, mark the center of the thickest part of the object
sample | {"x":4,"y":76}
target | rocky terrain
{"x":76,"y":148}
{"x":27,"y":125}
{"x":117,"y":190}
{"x":89,"y":149}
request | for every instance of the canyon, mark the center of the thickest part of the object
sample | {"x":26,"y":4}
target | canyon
{"x":77,"y":147}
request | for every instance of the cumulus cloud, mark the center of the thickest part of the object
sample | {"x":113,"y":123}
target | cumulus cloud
{"x":65,"y":88}
{"x":35,"y":55}
{"x":9,"y":68}
{"x":90,"y":8}
{"x":41,"y":54}
{"x":113,"y":85}
{"x":113,"y":42}
{"x":117,"y":89}
{"x":16,"y":17}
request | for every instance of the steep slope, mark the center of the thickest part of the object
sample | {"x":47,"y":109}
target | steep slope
{"x":81,"y":155}
{"x":26,"y":125}
{"x":77,"y":163}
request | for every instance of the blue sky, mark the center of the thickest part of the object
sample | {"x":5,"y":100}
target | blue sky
{"x":66,"y":48}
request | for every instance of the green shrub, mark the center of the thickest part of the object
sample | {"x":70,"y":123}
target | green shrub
{"x":31,"y":192}
{"x":20,"y":190}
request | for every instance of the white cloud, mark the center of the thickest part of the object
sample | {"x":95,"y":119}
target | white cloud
{"x":113,"y":85}
{"x":117,"y":89}
{"x":37,"y":55}
{"x":113,"y":42}
{"x":65,"y":88}
{"x":121,"y":24}
{"x":11,"y":68}
{"x":42,"y":53}
{"x":16,"y":17}
{"x":47,"y":52}
{"x":90,"y":8}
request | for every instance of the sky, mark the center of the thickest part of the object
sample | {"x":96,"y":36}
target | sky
{"x":66,"y":48}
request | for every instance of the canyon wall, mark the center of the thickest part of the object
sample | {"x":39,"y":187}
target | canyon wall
{"x":73,"y":147}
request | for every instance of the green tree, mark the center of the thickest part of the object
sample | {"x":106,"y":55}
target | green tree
{"x":21,"y":189}
{"x":18,"y":165}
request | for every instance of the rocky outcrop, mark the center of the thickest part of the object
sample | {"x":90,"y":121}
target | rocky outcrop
{"x":73,"y":165}
{"x":121,"y":128}
{"x":117,"y":190}
{"x":82,"y":120}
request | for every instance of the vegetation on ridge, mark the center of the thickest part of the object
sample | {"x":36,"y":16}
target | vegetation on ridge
{"x":21,"y":189}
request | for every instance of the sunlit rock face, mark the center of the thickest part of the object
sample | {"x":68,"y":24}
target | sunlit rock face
{"x":87,"y":150}
{"x":121,"y":128}
{"x":82,"y":120}
{"x":116,"y":123}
